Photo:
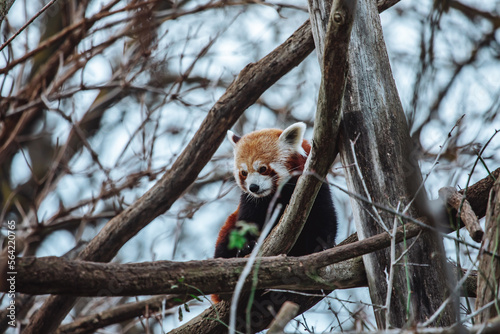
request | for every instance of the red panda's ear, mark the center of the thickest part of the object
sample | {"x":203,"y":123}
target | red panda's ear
{"x":293,"y":136}
{"x":233,"y":139}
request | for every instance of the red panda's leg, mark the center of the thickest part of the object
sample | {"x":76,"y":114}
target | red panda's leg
{"x":221,"y":249}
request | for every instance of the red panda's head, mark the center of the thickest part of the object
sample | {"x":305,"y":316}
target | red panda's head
{"x":265,"y":159}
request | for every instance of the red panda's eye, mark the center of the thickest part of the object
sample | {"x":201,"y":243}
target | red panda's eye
{"x":244,"y":173}
{"x":262,"y":169}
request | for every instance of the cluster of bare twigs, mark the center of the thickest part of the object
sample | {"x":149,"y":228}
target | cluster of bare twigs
{"x":111,"y":113}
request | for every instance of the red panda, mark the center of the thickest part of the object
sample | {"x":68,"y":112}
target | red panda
{"x":266,"y":161}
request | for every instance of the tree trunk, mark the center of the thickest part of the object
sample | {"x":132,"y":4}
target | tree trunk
{"x":375,"y":122}
{"x":488,"y":278}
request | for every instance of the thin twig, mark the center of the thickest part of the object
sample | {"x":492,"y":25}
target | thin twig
{"x":379,"y":219}
{"x":452,"y":296}
{"x":390,"y":281}
{"x":27,"y":24}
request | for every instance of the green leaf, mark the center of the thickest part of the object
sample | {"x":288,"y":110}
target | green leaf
{"x":180,"y":314}
{"x":239,"y":236}
{"x":196,"y":297}
{"x":236,"y":240}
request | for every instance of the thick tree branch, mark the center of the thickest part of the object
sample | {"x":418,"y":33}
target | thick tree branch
{"x":467,"y":216}
{"x":56,"y":275}
{"x":477,"y":195}
{"x":326,"y":124}
{"x":252,"y":81}
{"x":184,"y":279}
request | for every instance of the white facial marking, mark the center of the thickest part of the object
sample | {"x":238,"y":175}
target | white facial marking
{"x":281,"y":170}
{"x":258,"y":185}
{"x":256,"y":165}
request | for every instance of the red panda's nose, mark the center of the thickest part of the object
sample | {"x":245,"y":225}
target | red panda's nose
{"x":253,"y":188}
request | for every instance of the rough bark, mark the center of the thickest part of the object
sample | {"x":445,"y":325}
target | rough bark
{"x":467,"y":216}
{"x":92,"y":322}
{"x":4,"y":8}
{"x":339,"y":267}
{"x":57,"y":275}
{"x":477,"y":195}
{"x":374,"y":120}
{"x":488,"y":279}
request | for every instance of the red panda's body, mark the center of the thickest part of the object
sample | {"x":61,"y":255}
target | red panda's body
{"x":267,"y":161}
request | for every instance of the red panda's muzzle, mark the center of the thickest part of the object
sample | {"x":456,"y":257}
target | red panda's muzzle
{"x":258,"y":185}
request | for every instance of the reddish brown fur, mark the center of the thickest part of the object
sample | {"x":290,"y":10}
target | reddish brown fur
{"x":263,"y":146}
{"x":223,"y":235}
{"x":259,"y":145}
{"x":228,"y":226}
{"x":298,"y":161}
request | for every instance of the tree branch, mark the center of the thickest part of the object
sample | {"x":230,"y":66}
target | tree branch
{"x":57,"y":275}
{"x":478,"y":194}
{"x":326,"y":124}
{"x":252,"y":81}
{"x":287,"y":312}
{"x":467,"y":216}
{"x":93,"y":322}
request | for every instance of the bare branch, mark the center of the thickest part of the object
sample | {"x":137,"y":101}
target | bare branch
{"x":327,"y":120}
{"x":252,"y":81}
{"x":464,"y":209}
{"x":287,"y":312}
{"x":93,"y":322}
{"x":26,"y":24}
{"x":57,"y":275}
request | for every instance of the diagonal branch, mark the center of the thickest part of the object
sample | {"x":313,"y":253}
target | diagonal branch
{"x":326,"y":125}
{"x":252,"y":81}
{"x":91,"y":323}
